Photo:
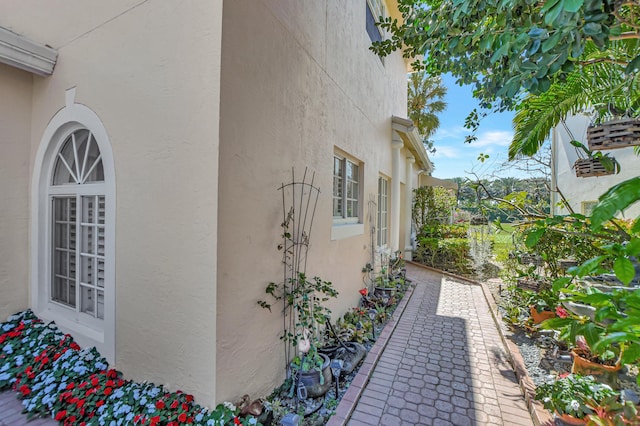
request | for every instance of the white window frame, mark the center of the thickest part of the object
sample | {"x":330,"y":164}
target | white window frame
{"x":343,"y":226}
{"x":87,"y":330}
{"x":586,"y":207}
{"x":383,"y":211}
{"x":343,"y":218}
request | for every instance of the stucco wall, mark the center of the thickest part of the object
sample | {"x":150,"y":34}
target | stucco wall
{"x":15,"y":118}
{"x":150,"y":71}
{"x":298,"y":81}
{"x":578,"y":189}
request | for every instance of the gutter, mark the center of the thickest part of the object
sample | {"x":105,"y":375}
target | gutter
{"x":22,"y":53}
{"x":412,"y":141}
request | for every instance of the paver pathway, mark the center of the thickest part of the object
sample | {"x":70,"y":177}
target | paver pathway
{"x":445,"y":363}
{"x":11,"y":412}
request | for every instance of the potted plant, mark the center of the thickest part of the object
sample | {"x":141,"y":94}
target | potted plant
{"x":384,"y":286}
{"x":306,"y":297}
{"x":594,"y":163}
{"x":542,"y":305}
{"x":572,"y":397}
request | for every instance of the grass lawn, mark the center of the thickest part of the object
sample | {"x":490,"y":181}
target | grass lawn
{"x":503,"y":242}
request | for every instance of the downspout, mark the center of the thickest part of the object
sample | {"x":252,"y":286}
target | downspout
{"x":396,"y":145}
{"x":408,"y":199}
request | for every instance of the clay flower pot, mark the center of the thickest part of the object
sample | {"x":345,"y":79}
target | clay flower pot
{"x":538,"y":317}
{"x":583,"y":366}
{"x":570,"y":420}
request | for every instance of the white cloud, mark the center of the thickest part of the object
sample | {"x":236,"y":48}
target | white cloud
{"x":456,"y":132}
{"x":493,"y":138}
{"x":443,"y":151}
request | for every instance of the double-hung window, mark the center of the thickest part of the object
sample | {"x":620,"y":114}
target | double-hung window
{"x":375,"y":12}
{"x":383,"y":211}
{"x":346,"y":190}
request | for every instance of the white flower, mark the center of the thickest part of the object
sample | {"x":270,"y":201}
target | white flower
{"x":573,"y":405}
{"x":229,"y":406}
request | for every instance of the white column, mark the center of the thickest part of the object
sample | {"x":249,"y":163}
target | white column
{"x":396,"y":145}
{"x":408,"y":198}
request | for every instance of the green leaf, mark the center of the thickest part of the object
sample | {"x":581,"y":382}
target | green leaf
{"x":631,"y":354}
{"x":592,"y":29}
{"x":560,"y":283}
{"x":533,"y":237}
{"x":553,"y":13}
{"x":633,"y":66}
{"x":572,"y":5}
{"x":551,"y":42}
{"x":633,"y":247}
{"x":587,"y":267}
{"x":624,"y":270}
{"x":616,"y":199}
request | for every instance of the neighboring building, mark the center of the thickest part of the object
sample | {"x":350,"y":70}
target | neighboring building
{"x":582,"y":192}
{"x":140,"y":156}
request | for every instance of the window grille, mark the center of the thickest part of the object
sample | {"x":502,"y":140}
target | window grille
{"x":78,"y":226}
{"x":383,"y":210}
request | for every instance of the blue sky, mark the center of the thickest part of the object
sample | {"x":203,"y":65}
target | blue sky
{"x":453,"y":157}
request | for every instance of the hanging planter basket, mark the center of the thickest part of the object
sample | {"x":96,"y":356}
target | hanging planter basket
{"x":614,"y":134}
{"x":586,"y":167}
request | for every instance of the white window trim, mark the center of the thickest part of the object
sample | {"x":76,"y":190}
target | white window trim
{"x":350,"y":226}
{"x":69,"y":119}
{"x":378,"y":225}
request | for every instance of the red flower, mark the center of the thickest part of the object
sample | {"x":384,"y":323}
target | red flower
{"x":185,"y":407}
{"x":154,"y":420}
{"x":75,"y":346}
{"x":70,"y":386}
{"x":561,"y":312}
{"x":110,"y":383}
{"x":160,"y":405}
{"x":174,"y":404}
{"x":107,"y":391}
{"x":24,"y":389}
{"x":236,"y":421}
{"x":182,"y":417}
{"x":95,"y":381}
{"x":364,"y":291}
{"x":189,"y":398}
{"x":563,"y":375}
{"x":80,"y":402}
{"x":61,"y":415}
{"x":100,"y":403}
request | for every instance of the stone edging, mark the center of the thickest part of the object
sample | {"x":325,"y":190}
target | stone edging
{"x":353,"y":394}
{"x":539,"y":415}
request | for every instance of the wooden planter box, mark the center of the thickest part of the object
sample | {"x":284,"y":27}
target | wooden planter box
{"x":586,"y":167}
{"x":614,"y":134}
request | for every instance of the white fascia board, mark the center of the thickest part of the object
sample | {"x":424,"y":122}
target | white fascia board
{"x":411,"y":137}
{"x":20,"y":52}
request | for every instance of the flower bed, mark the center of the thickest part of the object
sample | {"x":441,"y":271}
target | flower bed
{"x":55,"y":377}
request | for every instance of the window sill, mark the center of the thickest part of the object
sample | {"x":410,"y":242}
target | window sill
{"x":339,"y":231}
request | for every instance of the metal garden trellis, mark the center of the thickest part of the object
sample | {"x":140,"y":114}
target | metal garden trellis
{"x":299,"y":201}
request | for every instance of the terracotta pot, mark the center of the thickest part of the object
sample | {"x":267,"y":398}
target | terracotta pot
{"x":570,"y":420}
{"x":582,"y":365}
{"x":538,"y":317}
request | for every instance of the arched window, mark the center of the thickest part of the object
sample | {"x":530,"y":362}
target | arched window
{"x":73,"y":228}
{"x":78,"y":223}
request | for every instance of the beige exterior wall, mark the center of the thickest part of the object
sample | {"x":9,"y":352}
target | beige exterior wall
{"x":298,"y":81}
{"x":15,"y":120}
{"x":155,"y":87}
{"x":579,"y":190}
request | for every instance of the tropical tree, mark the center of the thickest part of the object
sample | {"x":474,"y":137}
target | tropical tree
{"x":601,"y":89}
{"x":425,"y":100}
{"x":502,"y":47}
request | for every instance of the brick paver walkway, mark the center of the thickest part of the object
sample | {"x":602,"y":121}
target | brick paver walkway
{"x":11,"y":412}
{"x":445,"y":363}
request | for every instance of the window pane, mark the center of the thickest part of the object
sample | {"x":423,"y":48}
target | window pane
{"x":63,"y":250}
{"x":79,"y":160}
{"x":87,"y":301}
{"x":100,"y":304}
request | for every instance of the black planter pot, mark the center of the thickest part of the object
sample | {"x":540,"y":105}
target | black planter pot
{"x":311,"y":379}
{"x":384,"y":292}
